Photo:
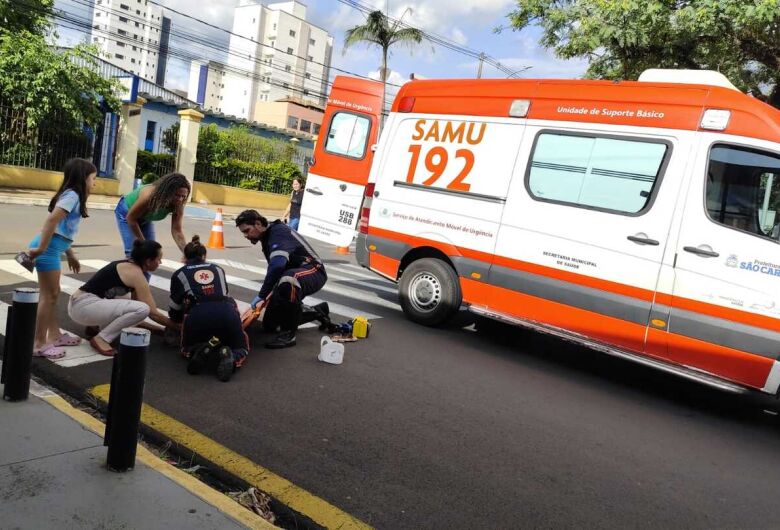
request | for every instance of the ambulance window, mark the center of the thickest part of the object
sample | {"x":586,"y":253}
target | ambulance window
{"x":611,"y":174}
{"x":348,"y":135}
{"x":743,"y":190}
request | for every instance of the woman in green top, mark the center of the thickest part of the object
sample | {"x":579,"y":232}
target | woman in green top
{"x":137,"y":210}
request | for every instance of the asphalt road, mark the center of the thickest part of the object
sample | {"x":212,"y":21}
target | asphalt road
{"x":456,"y":428}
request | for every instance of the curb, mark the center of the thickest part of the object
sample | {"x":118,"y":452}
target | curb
{"x":29,"y":201}
{"x":286,"y":517}
{"x":218,"y":500}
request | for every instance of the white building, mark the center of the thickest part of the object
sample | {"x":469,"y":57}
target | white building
{"x":134,"y":35}
{"x":274,"y":54}
{"x":207,"y":84}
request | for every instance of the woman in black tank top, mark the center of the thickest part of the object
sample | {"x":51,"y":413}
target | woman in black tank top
{"x":98,"y":302}
{"x":292,"y":215}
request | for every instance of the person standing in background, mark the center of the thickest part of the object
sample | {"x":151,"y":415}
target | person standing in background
{"x":292,"y":215}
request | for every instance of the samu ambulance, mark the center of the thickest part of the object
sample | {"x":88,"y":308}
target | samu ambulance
{"x":637,"y":218}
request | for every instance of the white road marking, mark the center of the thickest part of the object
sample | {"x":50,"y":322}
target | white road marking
{"x":364,"y":296}
{"x":329,"y":269}
{"x":74,"y":355}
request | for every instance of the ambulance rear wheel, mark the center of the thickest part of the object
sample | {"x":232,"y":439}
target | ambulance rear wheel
{"x":429,"y":291}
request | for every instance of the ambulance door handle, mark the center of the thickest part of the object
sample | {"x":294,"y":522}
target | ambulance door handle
{"x":704,"y":252}
{"x":642,"y":239}
{"x":314,"y":191}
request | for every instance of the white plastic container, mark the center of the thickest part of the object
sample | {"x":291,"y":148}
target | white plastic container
{"x":331,"y":352}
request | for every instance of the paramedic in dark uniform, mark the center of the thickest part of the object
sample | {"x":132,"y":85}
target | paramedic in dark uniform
{"x":199,"y":298}
{"x":294,"y":272}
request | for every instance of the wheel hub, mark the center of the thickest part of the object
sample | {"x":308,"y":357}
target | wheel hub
{"x":425,"y":292}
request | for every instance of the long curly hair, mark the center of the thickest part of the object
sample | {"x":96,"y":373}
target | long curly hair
{"x":165,"y":189}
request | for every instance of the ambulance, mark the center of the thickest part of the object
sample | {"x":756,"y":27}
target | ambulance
{"x":637,"y":218}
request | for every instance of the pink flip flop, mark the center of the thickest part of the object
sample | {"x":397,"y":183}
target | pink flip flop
{"x":66,"y":339}
{"x":50,"y":351}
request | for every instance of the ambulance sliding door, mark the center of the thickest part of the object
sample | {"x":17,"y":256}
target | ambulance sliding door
{"x":724,"y":317}
{"x":443,"y":183}
{"x":584,"y":232}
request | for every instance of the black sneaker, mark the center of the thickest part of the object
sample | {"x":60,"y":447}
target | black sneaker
{"x":226,"y":365}
{"x":283,"y":340}
{"x":199,"y":357}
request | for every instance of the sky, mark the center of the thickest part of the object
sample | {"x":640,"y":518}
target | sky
{"x":468,"y":23}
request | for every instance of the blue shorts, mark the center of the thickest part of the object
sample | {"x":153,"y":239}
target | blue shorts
{"x":50,"y":259}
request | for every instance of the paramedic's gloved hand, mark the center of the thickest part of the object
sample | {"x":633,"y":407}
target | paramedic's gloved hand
{"x":256,"y":301}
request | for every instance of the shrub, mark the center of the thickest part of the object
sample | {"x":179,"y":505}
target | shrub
{"x":150,"y":177}
{"x":159,"y":164}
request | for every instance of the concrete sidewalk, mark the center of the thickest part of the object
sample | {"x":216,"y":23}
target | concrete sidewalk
{"x":53,"y":476}
{"x":108,"y":202}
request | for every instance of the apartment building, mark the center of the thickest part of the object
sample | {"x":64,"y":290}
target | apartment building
{"x":274,"y":54}
{"x":207,"y":84}
{"x":134,"y":35}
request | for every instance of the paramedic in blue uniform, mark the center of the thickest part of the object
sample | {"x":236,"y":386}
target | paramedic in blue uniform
{"x":294,"y":272}
{"x":199,"y":298}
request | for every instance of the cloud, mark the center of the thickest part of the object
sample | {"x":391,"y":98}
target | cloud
{"x":395,"y":78}
{"x":394,"y":82}
{"x":532,"y":61}
{"x":443,"y":17}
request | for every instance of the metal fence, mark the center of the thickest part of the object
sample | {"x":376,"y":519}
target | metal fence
{"x":47,"y":146}
{"x":157,"y":164}
{"x":243,"y":177}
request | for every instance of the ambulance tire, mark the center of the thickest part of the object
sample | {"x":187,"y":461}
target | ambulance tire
{"x":429,"y":292}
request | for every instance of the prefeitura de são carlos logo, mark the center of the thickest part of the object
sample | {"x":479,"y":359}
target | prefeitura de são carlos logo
{"x":756,"y":265}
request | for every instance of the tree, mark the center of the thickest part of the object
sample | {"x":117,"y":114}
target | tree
{"x":740,"y":38}
{"x":380,"y":32}
{"x":36,"y":79}
{"x":29,"y":15}
{"x":170,"y":138}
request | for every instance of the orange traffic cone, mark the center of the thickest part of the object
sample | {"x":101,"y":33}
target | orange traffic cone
{"x":217,"y":237}
{"x":342,"y":250}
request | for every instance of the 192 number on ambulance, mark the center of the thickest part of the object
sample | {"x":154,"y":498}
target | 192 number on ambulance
{"x":436,"y":160}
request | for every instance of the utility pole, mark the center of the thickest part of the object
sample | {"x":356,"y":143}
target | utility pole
{"x":481,"y":60}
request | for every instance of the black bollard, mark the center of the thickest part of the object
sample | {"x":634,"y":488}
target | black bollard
{"x":125,"y":399}
{"x":19,"y":342}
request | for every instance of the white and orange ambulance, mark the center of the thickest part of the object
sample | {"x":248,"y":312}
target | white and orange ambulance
{"x":638,"y":218}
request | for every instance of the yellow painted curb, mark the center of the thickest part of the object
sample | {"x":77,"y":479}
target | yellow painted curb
{"x":300,"y":500}
{"x":221,"y":502}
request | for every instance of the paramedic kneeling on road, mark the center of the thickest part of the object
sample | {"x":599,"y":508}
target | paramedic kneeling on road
{"x":199,"y":297}
{"x":294,"y":272}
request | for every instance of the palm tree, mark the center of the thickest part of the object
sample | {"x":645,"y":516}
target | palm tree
{"x":379,"y":31}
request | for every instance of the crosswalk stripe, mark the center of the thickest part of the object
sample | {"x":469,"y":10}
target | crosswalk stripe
{"x":358,"y":272}
{"x":331,"y":275}
{"x":74,"y":355}
{"x":361,"y":271}
{"x":363,"y":296}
